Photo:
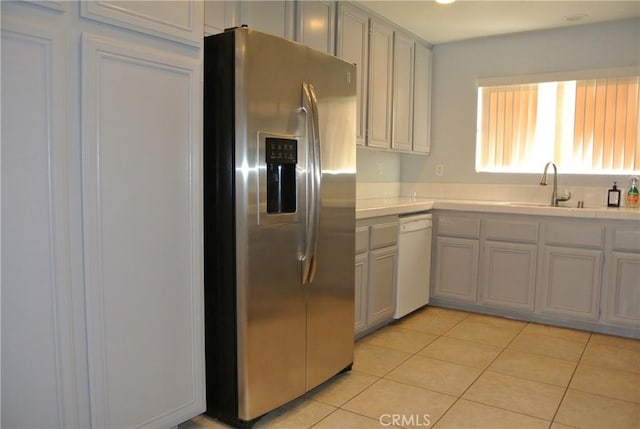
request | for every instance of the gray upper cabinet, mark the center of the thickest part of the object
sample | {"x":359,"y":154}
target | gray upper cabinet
{"x":177,"y":21}
{"x":217,"y":16}
{"x":353,"y":46}
{"x":316,"y":25}
{"x":393,"y":67}
{"x":403,"y":62}
{"x":273,"y":17}
{"x":380,"y":85}
{"x":422,"y":99}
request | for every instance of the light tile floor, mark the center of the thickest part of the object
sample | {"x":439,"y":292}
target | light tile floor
{"x":441,"y":368}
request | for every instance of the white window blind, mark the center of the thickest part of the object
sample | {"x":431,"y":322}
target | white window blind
{"x":585,"y":126}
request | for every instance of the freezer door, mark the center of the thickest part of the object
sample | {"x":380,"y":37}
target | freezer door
{"x":330,"y":303}
{"x":270,"y":297}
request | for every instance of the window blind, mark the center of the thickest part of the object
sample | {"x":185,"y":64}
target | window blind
{"x":585,"y":126}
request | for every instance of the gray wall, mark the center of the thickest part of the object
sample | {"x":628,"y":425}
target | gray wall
{"x":456,"y":66}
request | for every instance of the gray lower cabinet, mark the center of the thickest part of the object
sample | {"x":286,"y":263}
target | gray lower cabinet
{"x":508,"y":275}
{"x":571,"y":270}
{"x":376,"y":263}
{"x":383,"y":264}
{"x":457,"y":250}
{"x":361,"y":279}
{"x":580,"y":273}
{"x":570,"y":282}
{"x":508,"y":263}
{"x":623,"y":298}
{"x":456,"y":268}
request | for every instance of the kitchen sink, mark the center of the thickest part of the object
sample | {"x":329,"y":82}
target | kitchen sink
{"x":518,"y":204}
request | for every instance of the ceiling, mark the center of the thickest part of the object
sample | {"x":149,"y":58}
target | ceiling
{"x":468,"y":19}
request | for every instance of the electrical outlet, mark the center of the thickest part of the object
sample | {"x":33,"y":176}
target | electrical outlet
{"x":380,"y":169}
{"x":439,"y":170}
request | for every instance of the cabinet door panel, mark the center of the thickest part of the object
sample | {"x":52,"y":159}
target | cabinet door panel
{"x":273,"y":17}
{"x":353,"y":46}
{"x":218,"y":15}
{"x":403,"y":56}
{"x":456,"y":268}
{"x":508,"y":275}
{"x":38,"y":355}
{"x":142,"y":229}
{"x":422,"y":100}
{"x":316,"y":25}
{"x":361,"y":290}
{"x":570,"y":282}
{"x":382,"y":284}
{"x":181,"y":21}
{"x":624,"y":295}
{"x":380,"y":85}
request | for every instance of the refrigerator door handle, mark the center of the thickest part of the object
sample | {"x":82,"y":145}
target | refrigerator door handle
{"x":308,"y":260}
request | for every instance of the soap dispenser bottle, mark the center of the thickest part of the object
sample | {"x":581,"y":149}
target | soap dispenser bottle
{"x":613,"y":196}
{"x":633,"y":197}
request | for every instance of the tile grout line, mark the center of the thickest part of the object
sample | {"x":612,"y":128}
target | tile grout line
{"x":480,"y":375}
{"x":380,"y":378}
{"x":415,"y":354}
{"x":564,"y":394}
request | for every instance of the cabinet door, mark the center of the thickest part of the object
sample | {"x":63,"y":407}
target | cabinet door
{"x":40,"y":384}
{"x":624,"y":294}
{"x":380,"y":85}
{"x":180,"y":21}
{"x":218,"y":15}
{"x":316,"y":25}
{"x":353,"y":46}
{"x":456,"y":268}
{"x":570,"y":282}
{"x":422,"y":99}
{"x":273,"y":17}
{"x":382,"y":284}
{"x":403,"y":56}
{"x":142,"y":205}
{"x":507,"y":275}
{"x":362,"y":275}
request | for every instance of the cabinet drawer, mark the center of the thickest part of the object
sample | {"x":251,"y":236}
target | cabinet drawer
{"x":573,"y":234}
{"x":384,"y":234}
{"x":458,"y":226}
{"x":506,"y":230}
{"x":626,"y":238}
{"x":362,"y":239}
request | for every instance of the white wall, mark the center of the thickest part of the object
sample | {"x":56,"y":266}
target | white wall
{"x":456,"y":66}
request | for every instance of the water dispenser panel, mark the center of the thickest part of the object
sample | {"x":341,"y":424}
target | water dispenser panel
{"x":281,"y":156}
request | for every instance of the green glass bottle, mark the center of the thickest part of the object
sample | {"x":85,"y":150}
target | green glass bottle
{"x":633,"y":196}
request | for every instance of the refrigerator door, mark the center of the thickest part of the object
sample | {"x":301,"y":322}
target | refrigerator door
{"x":271,"y":315}
{"x":330,"y":299}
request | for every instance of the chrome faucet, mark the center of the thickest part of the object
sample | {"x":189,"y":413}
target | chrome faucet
{"x":555,"y":198}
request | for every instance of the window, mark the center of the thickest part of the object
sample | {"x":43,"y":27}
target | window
{"x":586,"y":126}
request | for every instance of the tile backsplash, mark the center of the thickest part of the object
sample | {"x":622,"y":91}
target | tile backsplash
{"x":591,"y":195}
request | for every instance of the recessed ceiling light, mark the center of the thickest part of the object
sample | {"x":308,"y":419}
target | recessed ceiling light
{"x":575,"y":17}
{"x":445,"y":1}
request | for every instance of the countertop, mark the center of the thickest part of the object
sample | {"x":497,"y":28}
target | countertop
{"x":374,"y":207}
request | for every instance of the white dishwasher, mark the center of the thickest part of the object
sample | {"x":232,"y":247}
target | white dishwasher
{"x":414,"y":263}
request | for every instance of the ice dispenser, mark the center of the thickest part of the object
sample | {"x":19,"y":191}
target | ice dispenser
{"x":281,"y":157}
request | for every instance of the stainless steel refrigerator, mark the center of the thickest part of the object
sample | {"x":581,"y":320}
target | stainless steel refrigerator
{"x":279,"y":221}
